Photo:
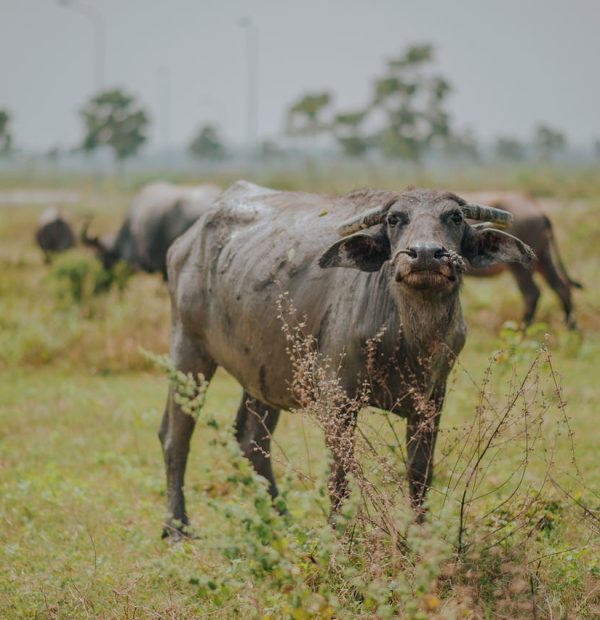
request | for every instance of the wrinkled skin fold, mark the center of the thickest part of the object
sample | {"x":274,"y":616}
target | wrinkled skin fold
{"x":397,"y":280}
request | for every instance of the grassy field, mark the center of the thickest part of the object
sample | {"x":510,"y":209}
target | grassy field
{"x":81,"y":474}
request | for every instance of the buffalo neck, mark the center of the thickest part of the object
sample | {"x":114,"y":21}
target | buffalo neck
{"x":431,"y":330}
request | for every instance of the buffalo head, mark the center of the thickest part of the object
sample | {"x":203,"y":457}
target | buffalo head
{"x":425,"y":237}
{"x":105,"y":248}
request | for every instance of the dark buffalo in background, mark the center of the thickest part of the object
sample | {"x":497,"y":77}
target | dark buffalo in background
{"x":534,"y":228}
{"x":373,"y":264}
{"x":158,"y":214}
{"x":54,"y":233}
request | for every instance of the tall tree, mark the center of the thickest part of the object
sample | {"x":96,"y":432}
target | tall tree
{"x":207,"y":144}
{"x":304,"y":119}
{"x":411,"y":101}
{"x":462,"y":146}
{"x":304,"y":115}
{"x":270,"y":151}
{"x":5,"y":132}
{"x":115,"y":119}
{"x":347,"y":129}
{"x":548,"y":142}
{"x":509,"y":149}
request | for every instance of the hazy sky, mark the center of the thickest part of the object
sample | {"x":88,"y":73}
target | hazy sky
{"x":512,"y":62}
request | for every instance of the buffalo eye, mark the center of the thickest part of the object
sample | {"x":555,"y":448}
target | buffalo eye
{"x":456,"y":217}
{"x":397,"y":219}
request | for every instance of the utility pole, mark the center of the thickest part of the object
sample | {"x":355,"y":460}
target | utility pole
{"x":251,"y":86}
{"x":95,"y":17}
{"x":164,"y":93}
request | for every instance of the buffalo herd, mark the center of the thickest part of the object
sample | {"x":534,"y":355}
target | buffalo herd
{"x":369,"y":266}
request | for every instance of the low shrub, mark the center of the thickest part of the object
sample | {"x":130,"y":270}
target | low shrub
{"x":78,"y":279}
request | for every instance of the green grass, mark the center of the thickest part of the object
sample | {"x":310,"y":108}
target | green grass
{"x":81,"y":476}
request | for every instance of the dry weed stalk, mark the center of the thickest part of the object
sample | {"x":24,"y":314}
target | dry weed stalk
{"x":497,"y":514}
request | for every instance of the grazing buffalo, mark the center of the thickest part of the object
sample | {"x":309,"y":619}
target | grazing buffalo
{"x":535,"y":229}
{"x":157,"y":216}
{"x":370,"y":266}
{"x":54,"y":233}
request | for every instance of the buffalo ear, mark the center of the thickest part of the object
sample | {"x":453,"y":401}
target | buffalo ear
{"x":485,"y":246}
{"x":362,"y":250}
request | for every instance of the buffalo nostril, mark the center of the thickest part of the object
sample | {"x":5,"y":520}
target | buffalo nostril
{"x":426,"y":251}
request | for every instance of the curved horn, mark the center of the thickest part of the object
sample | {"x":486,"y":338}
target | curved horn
{"x":488,"y":214}
{"x":365,"y":220}
{"x":85,"y":237}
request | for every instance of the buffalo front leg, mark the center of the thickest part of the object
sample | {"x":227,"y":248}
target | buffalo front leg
{"x":175,"y":434}
{"x":254,"y":424}
{"x":421,"y":433}
{"x":339,"y":438}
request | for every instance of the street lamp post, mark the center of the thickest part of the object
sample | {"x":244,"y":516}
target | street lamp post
{"x":164,"y":95}
{"x":95,"y":17}
{"x":251,"y":84}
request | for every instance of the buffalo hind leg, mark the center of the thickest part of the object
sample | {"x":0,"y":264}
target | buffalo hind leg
{"x":254,"y":424}
{"x":421,"y":433}
{"x":560,"y":285}
{"x":176,"y":432}
{"x":529,"y":291}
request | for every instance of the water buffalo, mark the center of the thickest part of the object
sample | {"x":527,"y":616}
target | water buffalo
{"x":54,"y":233}
{"x":157,"y":216}
{"x":372,"y":264}
{"x":535,"y":229}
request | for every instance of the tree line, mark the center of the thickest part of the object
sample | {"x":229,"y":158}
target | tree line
{"x":116,"y":120}
{"x":405,"y":118}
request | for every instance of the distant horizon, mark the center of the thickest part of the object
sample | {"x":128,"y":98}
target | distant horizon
{"x":511,"y":65}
